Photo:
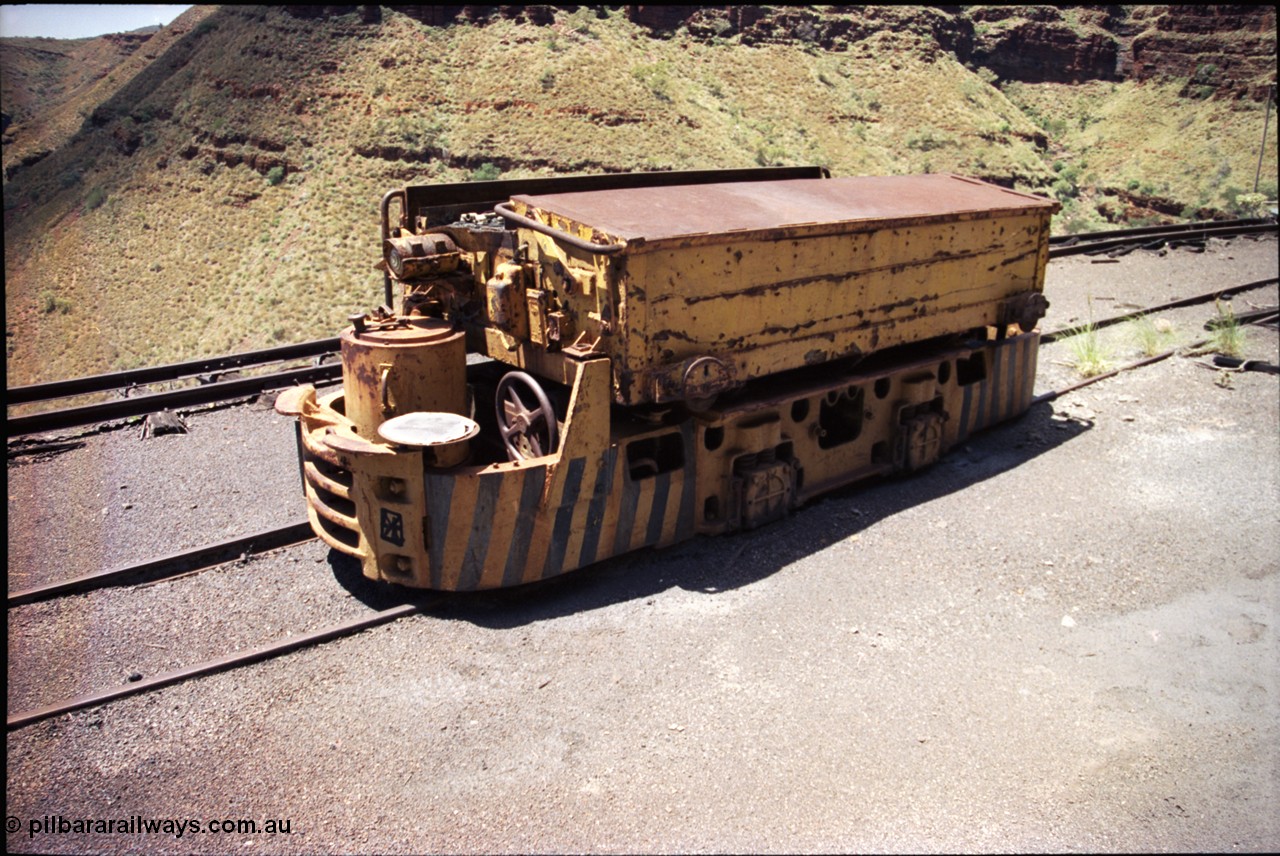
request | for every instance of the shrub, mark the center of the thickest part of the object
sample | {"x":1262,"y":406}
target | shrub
{"x":1152,"y":335}
{"x":1250,"y":204}
{"x":485,"y":172}
{"x":53,"y":303}
{"x":1206,"y":73}
{"x":1055,"y":127}
{"x":1090,"y":357}
{"x":657,"y":77}
{"x":770,"y":154}
{"x":275,"y":175}
{"x":147,"y":113}
{"x":928,"y":139}
{"x":96,"y":197}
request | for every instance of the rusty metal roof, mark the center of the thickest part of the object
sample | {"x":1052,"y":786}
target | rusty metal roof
{"x":658,"y":213}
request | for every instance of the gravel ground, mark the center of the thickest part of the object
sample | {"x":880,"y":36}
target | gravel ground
{"x":1061,"y":637}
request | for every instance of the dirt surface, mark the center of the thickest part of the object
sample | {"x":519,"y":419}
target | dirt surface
{"x":1061,"y":637}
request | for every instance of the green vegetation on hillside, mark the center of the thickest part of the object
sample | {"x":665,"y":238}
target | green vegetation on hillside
{"x":1125,"y":151}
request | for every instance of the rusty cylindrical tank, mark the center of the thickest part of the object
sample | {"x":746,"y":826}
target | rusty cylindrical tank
{"x":409,"y":365}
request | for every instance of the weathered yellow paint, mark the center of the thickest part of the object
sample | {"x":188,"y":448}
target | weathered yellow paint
{"x":503,"y":526}
{"x":417,"y":364}
{"x":773,"y":299}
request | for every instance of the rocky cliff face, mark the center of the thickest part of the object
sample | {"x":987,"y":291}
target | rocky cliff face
{"x":1227,"y":51}
{"x":1222,"y":50}
{"x":1046,"y":44}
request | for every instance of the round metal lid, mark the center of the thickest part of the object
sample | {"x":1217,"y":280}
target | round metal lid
{"x":406,"y":331}
{"x":428,"y":429}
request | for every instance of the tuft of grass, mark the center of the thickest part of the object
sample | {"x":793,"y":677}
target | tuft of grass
{"x":1152,"y":335}
{"x":1227,"y":335}
{"x":96,"y":197}
{"x":1091,"y":358}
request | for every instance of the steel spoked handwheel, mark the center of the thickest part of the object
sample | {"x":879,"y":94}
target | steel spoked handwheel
{"x":526,"y":419}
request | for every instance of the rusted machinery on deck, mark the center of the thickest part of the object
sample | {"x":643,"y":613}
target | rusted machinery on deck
{"x":657,"y":356}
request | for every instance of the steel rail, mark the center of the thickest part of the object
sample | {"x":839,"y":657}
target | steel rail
{"x":221,"y":664}
{"x":1150,"y":230}
{"x":1067,"y":332}
{"x":1185,"y":235}
{"x":1058,"y":393}
{"x":172,"y":371}
{"x":141,"y":405}
{"x":1256,"y":316}
{"x":171,"y":565}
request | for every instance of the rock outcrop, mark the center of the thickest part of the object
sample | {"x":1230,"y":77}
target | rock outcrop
{"x":1219,"y":50}
{"x":1224,"y":51}
{"x":1044,"y":44}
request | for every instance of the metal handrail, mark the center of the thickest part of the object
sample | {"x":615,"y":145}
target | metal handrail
{"x":571,"y":240}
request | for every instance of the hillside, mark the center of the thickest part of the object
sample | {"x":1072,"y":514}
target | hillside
{"x":215,"y":188}
{"x":49,"y":86}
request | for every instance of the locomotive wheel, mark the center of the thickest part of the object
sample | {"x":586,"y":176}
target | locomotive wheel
{"x":527,"y":432}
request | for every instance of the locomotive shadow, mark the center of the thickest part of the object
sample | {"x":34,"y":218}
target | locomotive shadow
{"x":722,"y":563}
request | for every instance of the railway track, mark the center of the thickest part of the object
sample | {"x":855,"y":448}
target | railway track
{"x":186,"y":564}
{"x":171,"y":566}
{"x":191,"y":562}
{"x":1118,"y":241}
{"x":209,"y":390}
{"x":1206,"y":297}
{"x":221,"y":664}
{"x":206,"y":369}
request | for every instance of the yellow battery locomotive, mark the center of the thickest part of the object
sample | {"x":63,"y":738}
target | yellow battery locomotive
{"x":568,"y":369}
